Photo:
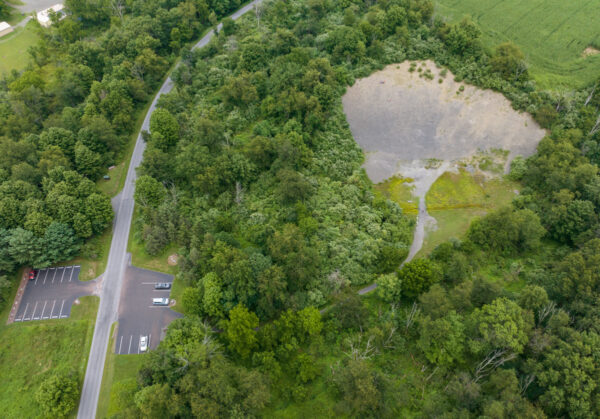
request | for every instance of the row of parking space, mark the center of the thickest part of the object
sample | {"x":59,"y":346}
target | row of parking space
{"x":56,"y":275}
{"x":50,"y":293}
{"x":37,"y":310}
{"x":136,"y":344}
{"x":144,"y":311}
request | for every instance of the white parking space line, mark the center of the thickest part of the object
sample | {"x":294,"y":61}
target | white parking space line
{"x":54,"y":276}
{"x":52,"y":310}
{"x":63,"y":275}
{"x":71,"y":277}
{"x":46,"y":276}
{"x":130,"y":339}
{"x":61,"y":308}
{"x":37,"y":276}
{"x":34,"y":308}
{"x":149,"y":340}
{"x":120,"y":343}
{"x":147,"y":283}
{"x":43,"y":309}
{"x":25,"y":312}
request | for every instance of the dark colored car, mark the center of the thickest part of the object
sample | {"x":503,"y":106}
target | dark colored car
{"x":162,"y":286}
{"x":32,"y":274}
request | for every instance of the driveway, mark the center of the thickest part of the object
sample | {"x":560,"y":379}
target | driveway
{"x":52,"y":293}
{"x":137,"y":316}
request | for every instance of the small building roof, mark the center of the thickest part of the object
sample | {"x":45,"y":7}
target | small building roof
{"x":44,"y":15}
{"x":4,"y":26}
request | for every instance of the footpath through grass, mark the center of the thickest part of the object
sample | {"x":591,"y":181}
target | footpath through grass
{"x":31,"y":351}
{"x":552,"y":34}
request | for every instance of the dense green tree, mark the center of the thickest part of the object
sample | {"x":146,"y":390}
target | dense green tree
{"x":60,"y":242}
{"x":361,"y":389}
{"x":501,"y":324}
{"x":148,"y":192}
{"x":508,"y":60}
{"x":568,"y":376}
{"x":442,"y":340}
{"x":507,"y":231}
{"x":240,"y":331}
{"x":99,"y":211}
{"x":389,"y":287}
{"x":417,"y":276}
{"x":58,"y":395}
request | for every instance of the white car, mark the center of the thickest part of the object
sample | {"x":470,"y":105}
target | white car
{"x":160,"y":301}
{"x":143,"y":343}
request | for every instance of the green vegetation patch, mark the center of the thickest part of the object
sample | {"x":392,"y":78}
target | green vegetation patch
{"x":13,"y":48}
{"x":400,"y":190}
{"x":466,"y":190}
{"x":553,"y":34}
{"x":30,"y":352}
{"x":457,"y":198}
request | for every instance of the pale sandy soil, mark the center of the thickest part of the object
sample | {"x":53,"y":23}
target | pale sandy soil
{"x":590,"y":51}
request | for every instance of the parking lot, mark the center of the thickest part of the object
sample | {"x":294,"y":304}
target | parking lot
{"x":52,"y":293}
{"x":137,"y":315}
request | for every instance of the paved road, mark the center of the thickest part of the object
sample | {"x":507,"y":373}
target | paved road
{"x":117,"y":259}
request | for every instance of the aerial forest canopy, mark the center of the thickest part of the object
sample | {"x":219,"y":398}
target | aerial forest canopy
{"x":68,"y":116}
{"x":252,"y":171}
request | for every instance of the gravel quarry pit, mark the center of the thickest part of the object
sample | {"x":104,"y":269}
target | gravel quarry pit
{"x":403,"y":120}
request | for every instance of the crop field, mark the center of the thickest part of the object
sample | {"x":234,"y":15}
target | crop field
{"x":552,"y":34}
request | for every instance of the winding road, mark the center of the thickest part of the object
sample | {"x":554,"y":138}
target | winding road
{"x":117,"y":257}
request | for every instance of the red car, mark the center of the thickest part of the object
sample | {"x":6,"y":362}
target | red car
{"x":32,"y":274}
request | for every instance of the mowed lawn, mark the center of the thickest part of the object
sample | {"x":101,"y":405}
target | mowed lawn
{"x":31,"y":351}
{"x":551,"y":33}
{"x":14,"y":46}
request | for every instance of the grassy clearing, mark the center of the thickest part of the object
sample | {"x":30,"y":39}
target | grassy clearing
{"x":117,"y":368}
{"x":399,"y":190}
{"x":30,"y":351}
{"x":553,"y":34}
{"x":13,"y":48}
{"x":456,"y":198}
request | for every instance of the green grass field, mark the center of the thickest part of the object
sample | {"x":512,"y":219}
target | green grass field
{"x":30,"y":351}
{"x":456,"y":198}
{"x":551,"y":33}
{"x":13,"y":48}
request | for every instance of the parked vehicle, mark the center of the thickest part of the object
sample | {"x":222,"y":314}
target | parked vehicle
{"x":162,"y":286}
{"x":32,"y":274}
{"x":160,"y":301}
{"x":143,"y":343}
